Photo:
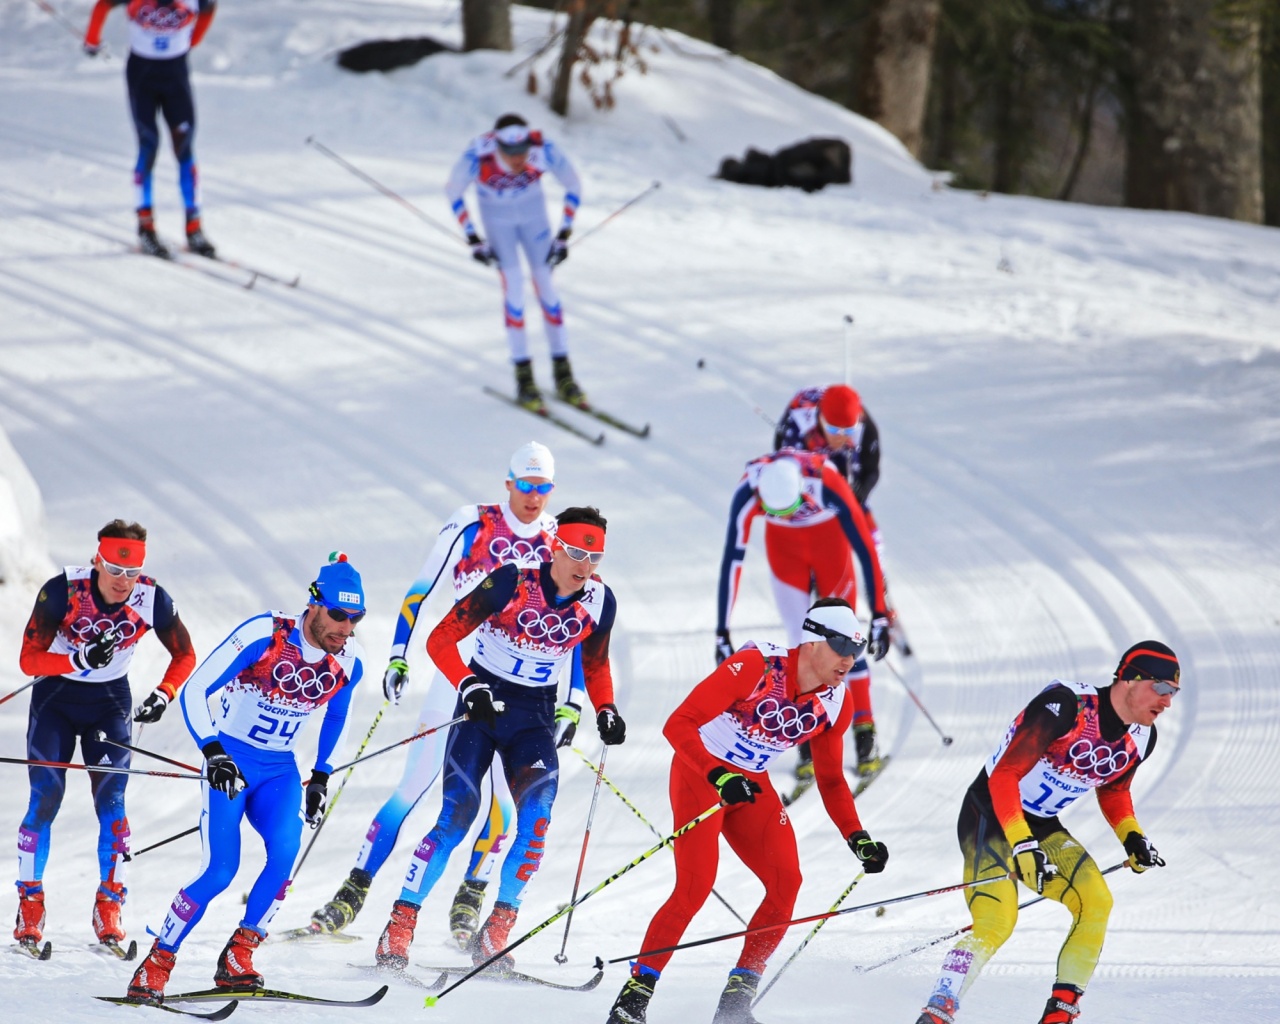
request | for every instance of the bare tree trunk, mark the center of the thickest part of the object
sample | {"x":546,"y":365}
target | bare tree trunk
{"x":486,"y":24}
{"x":580,"y":19}
{"x":897,"y":57}
{"x":1195,"y":119}
{"x":721,"y":14}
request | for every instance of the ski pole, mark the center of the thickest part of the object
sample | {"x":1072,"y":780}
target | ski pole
{"x":946,"y":740}
{"x":691,"y":824}
{"x":62,"y":20}
{"x":582,"y":857}
{"x":738,"y":392}
{"x":807,"y":939}
{"x":409,"y":739}
{"x":653,"y":187}
{"x":163,"y":842}
{"x":104,"y":738}
{"x":26,"y":686}
{"x":636,"y":811}
{"x":333,"y":803}
{"x":958,"y":932}
{"x":106,"y":769}
{"x":805,"y":920}
{"x":426,"y":218}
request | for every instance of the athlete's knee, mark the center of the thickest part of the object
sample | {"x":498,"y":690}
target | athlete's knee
{"x":182,"y":138}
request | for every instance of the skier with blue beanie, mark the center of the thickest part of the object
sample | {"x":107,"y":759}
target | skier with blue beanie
{"x":271,"y":674}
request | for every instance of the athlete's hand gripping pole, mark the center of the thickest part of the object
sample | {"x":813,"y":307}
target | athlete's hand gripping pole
{"x":811,"y":917}
{"x":647,"y":823}
{"x":667,"y":841}
{"x":582,"y":857}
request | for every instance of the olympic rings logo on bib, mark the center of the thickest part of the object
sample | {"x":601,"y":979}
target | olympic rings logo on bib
{"x":84,"y":628}
{"x":788,"y":720}
{"x":302,"y":680}
{"x":506,"y":550}
{"x":557,"y":629}
{"x":1101,"y":760}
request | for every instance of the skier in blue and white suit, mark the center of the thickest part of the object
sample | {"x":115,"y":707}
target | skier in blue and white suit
{"x":506,"y":165}
{"x":263,"y":682}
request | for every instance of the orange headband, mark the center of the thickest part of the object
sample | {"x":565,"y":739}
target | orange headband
{"x":123,"y":551}
{"x":581,"y":535}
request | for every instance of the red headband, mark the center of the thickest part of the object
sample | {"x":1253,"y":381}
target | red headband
{"x":581,"y":535}
{"x":123,"y":551}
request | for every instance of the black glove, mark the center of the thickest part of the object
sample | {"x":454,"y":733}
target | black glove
{"x":559,"y":251}
{"x":1142,"y":854}
{"x":317,"y":797}
{"x":1032,"y":865}
{"x":394,"y":679}
{"x":480,"y":252}
{"x":613,"y":730}
{"x":95,"y":653}
{"x":724,"y":646}
{"x":566,"y":723}
{"x":223,"y":773}
{"x":874,"y":856}
{"x":150,"y":710}
{"x":878,"y":645}
{"x":479,"y":701}
{"x":733,"y":787}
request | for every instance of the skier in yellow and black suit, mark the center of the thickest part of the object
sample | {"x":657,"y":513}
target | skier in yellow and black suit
{"x":1070,"y":739}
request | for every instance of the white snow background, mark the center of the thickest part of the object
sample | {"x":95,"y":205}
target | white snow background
{"x":1080,"y":451}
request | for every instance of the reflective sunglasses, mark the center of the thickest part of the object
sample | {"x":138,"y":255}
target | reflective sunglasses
{"x":111,"y":569}
{"x":525,"y":487}
{"x":342,"y":615}
{"x":845,"y":646}
{"x":1164,"y":688}
{"x":842,"y":431}
{"x":582,"y":554}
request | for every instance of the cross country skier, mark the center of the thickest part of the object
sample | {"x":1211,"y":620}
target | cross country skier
{"x":1070,"y":739}
{"x":506,"y":166}
{"x":161,"y":32}
{"x":812,"y":524}
{"x":474,"y":542}
{"x":758,"y":703}
{"x":264,"y":680}
{"x":833,"y":421}
{"x":79,"y":643}
{"x":527,"y":620}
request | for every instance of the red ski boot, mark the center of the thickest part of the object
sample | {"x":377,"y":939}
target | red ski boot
{"x":148,"y":981}
{"x":106,"y":913}
{"x":1063,"y":1006}
{"x":393,"y":948}
{"x":29,"y":926}
{"x":494,"y":937}
{"x":235,"y":964}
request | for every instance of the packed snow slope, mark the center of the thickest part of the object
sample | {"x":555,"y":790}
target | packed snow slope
{"x":1080,"y":414}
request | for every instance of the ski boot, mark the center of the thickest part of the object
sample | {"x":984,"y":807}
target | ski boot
{"x":495,"y":936}
{"x":235,"y":963}
{"x":940,"y":1010}
{"x":864,"y":742}
{"x":147,"y":240}
{"x":345,"y":905}
{"x":196,"y":241}
{"x":1063,"y":1006}
{"x":106,"y":913}
{"x":736,"y":999}
{"x":633,"y":1001}
{"x":566,"y":387}
{"x":527,"y":393}
{"x":804,"y":766}
{"x":464,"y":915}
{"x":393,"y":948}
{"x":29,"y":925}
{"x":148,"y":981}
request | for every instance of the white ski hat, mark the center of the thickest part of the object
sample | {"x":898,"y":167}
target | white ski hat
{"x":837,"y":625}
{"x":533,"y":459}
{"x":779,"y":486}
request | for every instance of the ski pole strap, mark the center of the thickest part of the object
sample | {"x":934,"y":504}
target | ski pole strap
{"x":811,"y":917}
{"x":163,"y":842}
{"x":401,"y":743}
{"x":808,"y":938}
{"x":106,"y":769}
{"x":667,"y":841}
{"x":104,"y":738}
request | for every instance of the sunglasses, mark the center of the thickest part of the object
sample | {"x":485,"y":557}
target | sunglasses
{"x":342,"y":615}
{"x":582,"y":554}
{"x":1163,"y":688}
{"x":117,"y":571}
{"x":845,"y":646}
{"x":525,"y":487}
{"x":842,"y":431}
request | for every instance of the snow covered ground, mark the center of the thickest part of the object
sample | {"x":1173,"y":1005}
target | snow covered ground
{"x":1080,"y":451}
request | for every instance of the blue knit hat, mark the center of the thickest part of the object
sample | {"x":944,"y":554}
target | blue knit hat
{"x":338,"y":585}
